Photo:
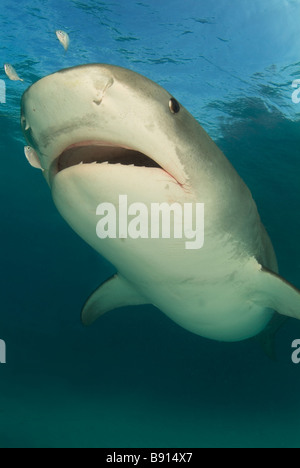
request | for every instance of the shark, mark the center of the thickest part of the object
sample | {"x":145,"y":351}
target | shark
{"x":99,"y":131}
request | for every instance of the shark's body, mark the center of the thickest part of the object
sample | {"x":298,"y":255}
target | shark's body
{"x":227,"y":290}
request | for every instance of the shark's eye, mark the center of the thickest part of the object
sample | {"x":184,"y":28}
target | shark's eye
{"x":174,"y":106}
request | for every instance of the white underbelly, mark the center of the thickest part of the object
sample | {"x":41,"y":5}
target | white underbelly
{"x":217,"y":311}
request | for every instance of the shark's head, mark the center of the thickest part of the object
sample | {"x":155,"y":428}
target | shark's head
{"x":105,"y":114}
{"x":101,"y":131}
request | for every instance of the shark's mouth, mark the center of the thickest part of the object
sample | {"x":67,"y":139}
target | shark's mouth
{"x":101,"y":153}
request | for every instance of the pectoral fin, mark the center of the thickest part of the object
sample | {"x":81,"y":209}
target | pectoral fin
{"x":114,"y":293}
{"x":276,"y":293}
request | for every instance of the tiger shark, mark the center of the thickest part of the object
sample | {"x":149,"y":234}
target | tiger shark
{"x":100,"y":131}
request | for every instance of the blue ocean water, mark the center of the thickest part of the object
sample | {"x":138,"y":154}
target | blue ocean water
{"x":136,"y":379}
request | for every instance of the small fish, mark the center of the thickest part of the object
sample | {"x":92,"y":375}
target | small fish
{"x":63,"y":38}
{"x":32,"y":157}
{"x":11,"y":73}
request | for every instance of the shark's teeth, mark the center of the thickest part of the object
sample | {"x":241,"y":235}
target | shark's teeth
{"x":105,"y":163}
